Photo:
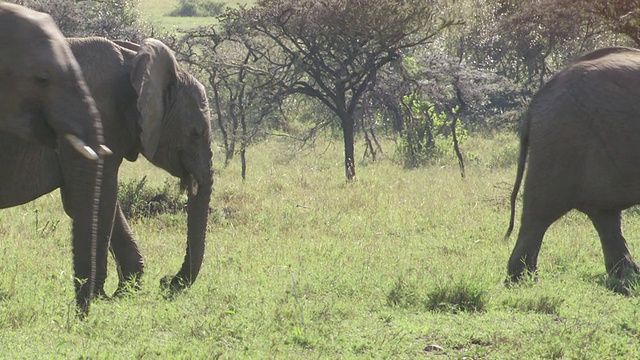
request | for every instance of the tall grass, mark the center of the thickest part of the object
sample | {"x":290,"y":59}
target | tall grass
{"x":300,"y":264}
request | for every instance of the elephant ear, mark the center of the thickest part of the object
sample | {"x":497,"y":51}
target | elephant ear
{"x":154,"y":71}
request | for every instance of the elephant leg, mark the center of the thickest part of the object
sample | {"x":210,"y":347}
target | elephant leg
{"x":617,"y":259}
{"x":536,"y":219}
{"x":77,"y":199}
{"x":524,"y":257}
{"x":126,"y":253}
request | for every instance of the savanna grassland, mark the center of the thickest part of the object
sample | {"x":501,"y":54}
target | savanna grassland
{"x":301,"y":264}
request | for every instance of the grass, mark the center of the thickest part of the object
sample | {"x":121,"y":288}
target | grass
{"x":299,"y":264}
{"x":157,"y":13}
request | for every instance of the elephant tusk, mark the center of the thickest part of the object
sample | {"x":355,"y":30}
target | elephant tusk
{"x":81,"y":147}
{"x":193,"y":189}
{"x":104,"y":151}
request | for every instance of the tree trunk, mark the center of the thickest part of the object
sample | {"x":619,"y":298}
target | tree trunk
{"x":348,"y":133}
{"x":368,"y":143}
{"x":243,"y":145}
{"x":455,"y":145}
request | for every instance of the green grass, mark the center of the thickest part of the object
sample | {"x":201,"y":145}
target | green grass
{"x":300,"y":264}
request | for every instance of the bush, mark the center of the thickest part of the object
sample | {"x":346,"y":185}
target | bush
{"x":464,"y":296}
{"x":138,"y":200}
{"x":426,"y":134}
{"x":198,"y":8}
{"x":116,"y":19}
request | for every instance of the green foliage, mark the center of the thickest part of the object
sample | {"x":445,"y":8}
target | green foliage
{"x":403,"y":293}
{"x":137,"y":199}
{"x":426,"y":134}
{"x":115,"y":19}
{"x":198,"y":8}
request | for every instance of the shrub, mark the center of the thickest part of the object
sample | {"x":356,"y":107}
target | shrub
{"x":198,"y":8}
{"x":426,"y":134}
{"x":466,"y":295}
{"x":137,"y":199}
{"x":115,"y":19}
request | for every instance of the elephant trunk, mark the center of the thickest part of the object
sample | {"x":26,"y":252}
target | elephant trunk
{"x":198,"y":214}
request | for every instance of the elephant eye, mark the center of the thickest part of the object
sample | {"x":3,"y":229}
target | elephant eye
{"x":195,"y":134}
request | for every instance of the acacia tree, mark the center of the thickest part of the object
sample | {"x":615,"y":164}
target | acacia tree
{"x":525,"y":42}
{"x":331,"y":50}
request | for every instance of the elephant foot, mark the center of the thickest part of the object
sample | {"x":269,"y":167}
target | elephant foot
{"x":521,"y":268}
{"x":127,"y":287}
{"x":624,"y":277}
{"x":83,"y":301}
{"x":172,"y":284}
{"x":100,"y":294}
{"x":623,"y":268}
{"x":82,"y":306}
{"x":524,"y":276}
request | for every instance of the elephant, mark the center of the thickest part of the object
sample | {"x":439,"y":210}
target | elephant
{"x":581,"y":135}
{"x":45,"y":101}
{"x":149,"y":105}
{"x":44,"y":94}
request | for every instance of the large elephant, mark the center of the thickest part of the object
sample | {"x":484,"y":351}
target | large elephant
{"x":148,"y":105}
{"x":44,"y":99}
{"x":581,"y":135}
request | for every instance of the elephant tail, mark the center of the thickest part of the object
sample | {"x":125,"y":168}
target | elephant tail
{"x":522,"y":160}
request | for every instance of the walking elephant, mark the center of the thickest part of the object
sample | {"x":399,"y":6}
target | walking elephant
{"x":149,"y":105}
{"x":45,"y":100}
{"x":581,"y":135}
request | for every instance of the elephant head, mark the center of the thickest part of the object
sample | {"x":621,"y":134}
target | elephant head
{"x":176,"y":136}
{"x":43,"y":95}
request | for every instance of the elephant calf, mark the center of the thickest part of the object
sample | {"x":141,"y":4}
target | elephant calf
{"x":581,"y":135}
